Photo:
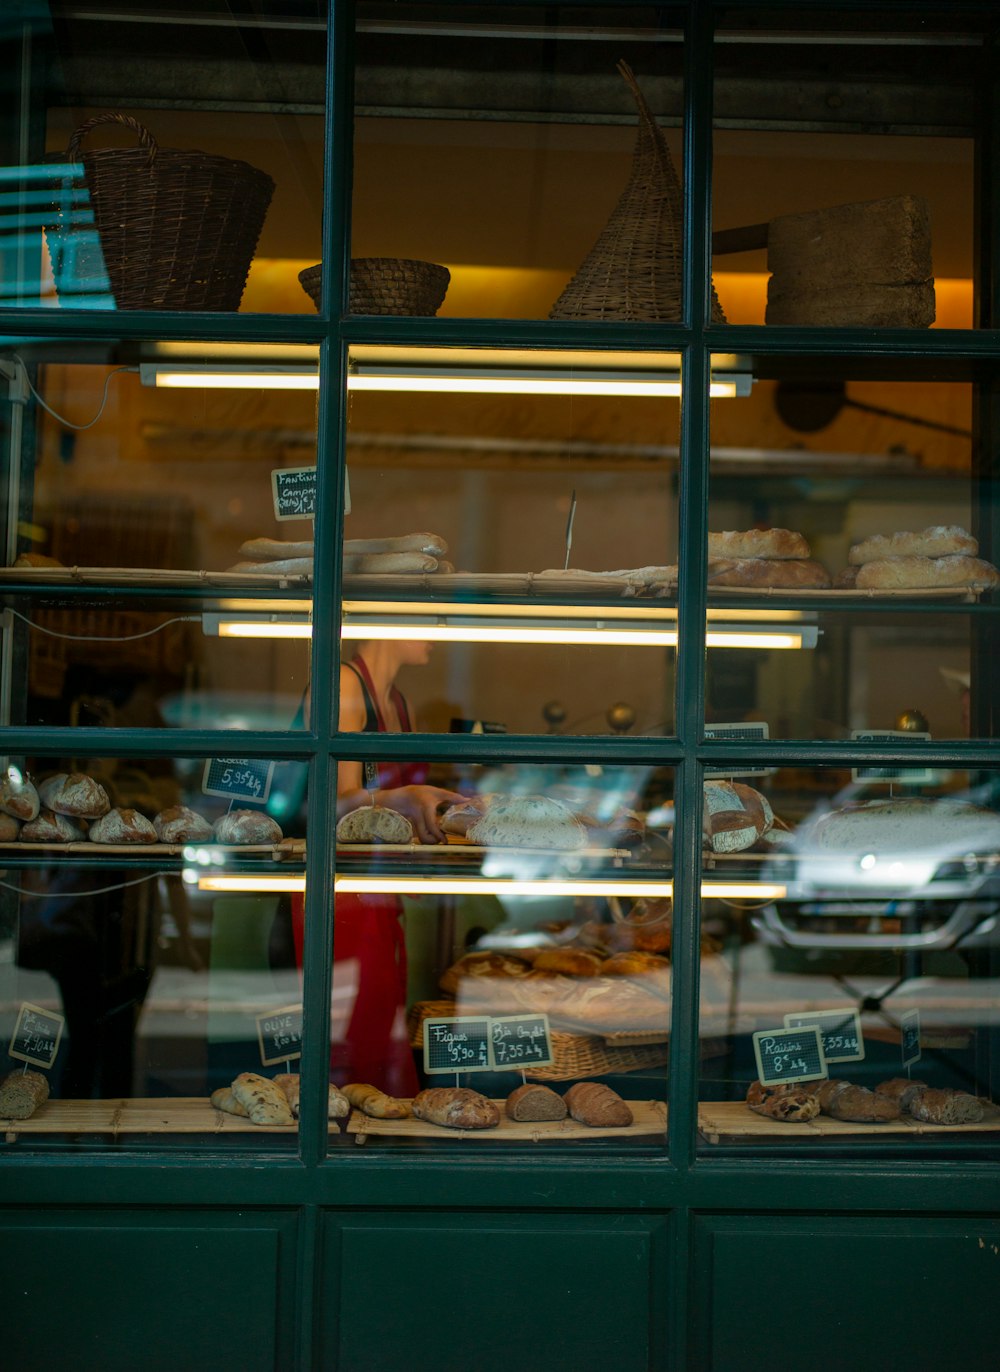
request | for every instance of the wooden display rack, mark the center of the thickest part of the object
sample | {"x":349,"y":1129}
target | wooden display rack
{"x":733,"y":1120}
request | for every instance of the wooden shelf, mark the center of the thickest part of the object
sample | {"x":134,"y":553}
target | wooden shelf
{"x":730,"y":1121}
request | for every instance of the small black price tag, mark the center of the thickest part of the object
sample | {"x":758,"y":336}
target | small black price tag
{"x":457,"y":1045}
{"x":36,"y":1035}
{"x":520,"y":1041}
{"x":279,"y":1034}
{"x":840,"y":1031}
{"x":755,"y":731}
{"x":294,"y":491}
{"x":789,"y":1055}
{"x":911,"y":776}
{"x":238,"y":778}
{"x":910,"y":1042}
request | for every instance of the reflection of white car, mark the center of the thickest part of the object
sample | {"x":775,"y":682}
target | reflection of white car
{"x":918,"y":873}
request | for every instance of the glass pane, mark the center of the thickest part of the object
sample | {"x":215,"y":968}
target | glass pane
{"x":496,"y":165}
{"x":145,"y":951}
{"x":852,"y":521}
{"x":497,"y":928}
{"x":229,"y":209}
{"x":844,"y":170}
{"x":548,"y":598}
{"x":867,"y":912}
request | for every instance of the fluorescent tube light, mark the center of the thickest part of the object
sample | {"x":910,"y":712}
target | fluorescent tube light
{"x":475,"y":886}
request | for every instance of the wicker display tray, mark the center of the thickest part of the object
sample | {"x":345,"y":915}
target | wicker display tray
{"x":80,"y":846}
{"x":725,"y":1121}
{"x":649,"y":1118}
{"x":153,"y":1115}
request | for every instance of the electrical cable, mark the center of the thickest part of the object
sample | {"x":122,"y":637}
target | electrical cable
{"x":106,"y":638}
{"x":68,"y":423}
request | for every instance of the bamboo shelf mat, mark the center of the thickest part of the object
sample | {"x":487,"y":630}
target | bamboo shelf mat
{"x":649,"y":1116}
{"x":270,"y":850}
{"x":721,"y":1121}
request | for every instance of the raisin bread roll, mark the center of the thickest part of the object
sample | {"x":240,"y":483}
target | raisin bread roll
{"x":594,"y":1104}
{"x":9,"y":828}
{"x":797,"y":574}
{"x":941,"y":540}
{"x":18,"y":796}
{"x":455,"y":1107}
{"x":246,"y":826}
{"x":264,"y":1102}
{"x":179,"y":824}
{"x":946,"y":1107}
{"x":375,"y":824}
{"x":76,"y":795}
{"x":375,"y":1103}
{"x":122,"y":826}
{"x":21,"y":1093}
{"x":926,"y":573}
{"x":789,"y":1101}
{"x":48,"y":827}
{"x":528,"y":822}
{"x":902,"y":1090}
{"x":533,"y":1101}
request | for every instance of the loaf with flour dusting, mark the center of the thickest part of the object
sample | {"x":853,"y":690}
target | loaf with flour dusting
{"x":757,"y":543}
{"x":938,"y":541}
{"x":926,"y":573}
{"x":122,"y":826}
{"x":246,"y":826}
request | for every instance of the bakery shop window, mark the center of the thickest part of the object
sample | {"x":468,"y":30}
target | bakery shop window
{"x":850,"y":995}
{"x":149,"y":979}
{"x":843,"y":170}
{"x":502,"y":941}
{"x":512,"y":162}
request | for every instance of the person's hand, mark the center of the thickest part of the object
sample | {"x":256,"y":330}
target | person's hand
{"x":420,"y":806}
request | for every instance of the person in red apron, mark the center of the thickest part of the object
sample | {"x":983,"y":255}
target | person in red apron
{"x":370,"y":1042}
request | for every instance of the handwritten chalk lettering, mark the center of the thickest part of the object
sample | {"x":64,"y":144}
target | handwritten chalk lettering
{"x":238,"y":778}
{"x":37,"y":1034}
{"x":840,"y":1030}
{"x":520,"y":1040}
{"x":457,"y":1045}
{"x":279,"y":1034}
{"x":789,"y":1054}
{"x":294,"y":492}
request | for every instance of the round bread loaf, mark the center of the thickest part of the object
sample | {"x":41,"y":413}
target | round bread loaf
{"x":528,"y":822}
{"x":9,"y":828}
{"x":938,"y":541}
{"x":769,"y":573}
{"x":927,"y":573}
{"x":735,"y":816}
{"x":374,"y":824}
{"x":459,"y":819}
{"x":179,"y":824}
{"x":49,"y":827}
{"x":18,"y":796}
{"x":533,"y":1101}
{"x":246,"y":826}
{"x":122,"y":826}
{"x":757,"y":543}
{"x":911,"y":825}
{"x":76,"y":794}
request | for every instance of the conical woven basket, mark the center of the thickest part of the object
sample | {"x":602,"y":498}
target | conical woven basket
{"x":634,"y":269}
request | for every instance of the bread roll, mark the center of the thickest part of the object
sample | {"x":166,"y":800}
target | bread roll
{"x":122,"y":826}
{"x":9,"y":828}
{"x":946,"y":1107}
{"x":285,"y":566}
{"x":337,"y":1106}
{"x":48,"y":827}
{"x":21,"y":1093}
{"x":179,"y":824}
{"x":569,"y":962}
{"x":246,"y":826}
{"x":77,"y":795}
{"x":455,"y":1107}
{"x":528,"y":822}
{"x":734,"y":816}
{"x":375,"y":824}
{"x":431,"y":545}
{"x":792,"y":1101}
{"x":274,"y":550}
{"x":769,"y":574}
{"x":941,"y":540}
{"x":18,"y":796}
{"x":593,"y":1103}
{"x":926,"y":573}
{"x":223,"y":1099}
{"x":902,"y":1090}
{"x":37,"y":560}
{"x":861,"y":1106}
{"x":375,"y":1103}
{"x":757,"y":543}
{"x":533,"y":1101}
{"x":264,"y":1102}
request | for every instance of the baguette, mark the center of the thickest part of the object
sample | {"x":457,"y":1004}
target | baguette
{"x":431,"y":544}
{"x":274,"y":550}
{"x":594,"y":1104}
{"x":533,"y":1101}
{"x":927,"y":573}
{"x":797,"y":574}
{"x":940,"y":540}
{"x":389,"y":562}
{"x":21,"y":1093}
{"x":757,"y":543}
{"x":375,"y":824}
{"x":288,"y":566}
{"x":264,"y":1102}
{"x":455,"y":1107}
{"x":375,"y":1103}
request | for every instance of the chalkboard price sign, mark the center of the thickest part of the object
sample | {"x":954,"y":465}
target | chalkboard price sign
{"x":36,"y":1035}
{"x":789,"y":1055}
{"x":520,"y":1041}
{"x":457,"y":1045}
{"x":910,"y":1043}
{"x":911,"y":776}
{"x":840,"y":1031}
{"x":294,"y":491}
{"x":753,"y":732}
{"x":279,"y":1034}
{"x":238,"y":778}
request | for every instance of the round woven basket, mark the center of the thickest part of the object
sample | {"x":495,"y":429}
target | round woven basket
{"x":387,"y":285}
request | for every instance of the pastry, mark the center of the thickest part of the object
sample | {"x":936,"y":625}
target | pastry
{"x":264,"y":1102}
{"x":371,"y":1101}
{"x":223,"y":1099}
{"x":593,"y":1103}
{"x":902,"y":1090}
{"x":455,"y":1107}
{"x":734,"y":817}
{"x":941,"y":540}
{"x":946,"y":1107}
{"x":21,"y":1093}
{"x":375,"y":824}
{"x":179,"y":824}
{"x":902,"y":573}
{"x":757,"y":544}
{"x":48,"y":827}
{"x":338,"y":1106}
{"x":122,"y":826}
{"x":77,"y":795}
{"x":795,"y":574}
{"x":533,"y":1101}
{"x":18,"y":796}
{"x":528,"y":822}
{"x":570,"y":962}
{"x":246,"y":826}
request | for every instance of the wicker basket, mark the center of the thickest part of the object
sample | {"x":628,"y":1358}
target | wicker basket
{"x":387,"y":285}
{"x":177,"y":230}
{"x":634,"y":269}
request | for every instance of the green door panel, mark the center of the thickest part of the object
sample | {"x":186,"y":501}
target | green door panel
{"x":846,"y":1295}
{"x":488,"y":1294}
{"x":140,"y":1293}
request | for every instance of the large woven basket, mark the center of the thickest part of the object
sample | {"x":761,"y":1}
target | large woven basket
{"x":634,"y":270}
{"x":177,"y":230}
{"x":387,"y":285}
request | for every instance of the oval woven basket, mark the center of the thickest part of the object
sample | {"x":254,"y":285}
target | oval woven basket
{"x":177,"y":229}
{"x":387,"y":285}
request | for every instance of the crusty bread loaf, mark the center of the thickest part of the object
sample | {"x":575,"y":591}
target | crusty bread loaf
{"x":757,"y":543}
{"x":938,"y":541}
{"x":846,"y":579}
{"x":593,"y":1103}
{"x":789,"y":1101}
{"x":274,"y":550}
{"x":459,"y":819}
{"x":568,"y":962}
{"x":528,"y":822}
{"x":734,"y":816}
{"x":768,"y":573}
{"x":285,"y":566}
{"x":246,"y":826}
{"x":902,"y":1090}
{"x":946,"y":1107}
{"x":21,"y":1093}
{"x":861,"y":1106}
{"x":487,"y":964}
{"x":432,"y":545}
{"x":826,"y":1090}
{"x":634,"y":963}
{"x":337,"y":1106}
{"x":48,"y":827}
{"x":375,"y":824}
{"x":532,"y":1101}
{"x":455,"y":1107}
{"x":77,"y":795}
{"x":179,"y":824}
{"x":264,"y":1102}
{"x":223,"y":1099}
{"x":926,"y":573}
{"x":635,"y":576}
{"x":907,"y":824}
{"x":122,"y":826}
{"x":18,"y":796}
{"x":9,"y":828}
{"x":375,"y":1103}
